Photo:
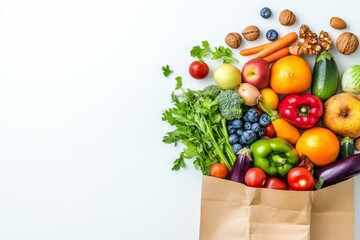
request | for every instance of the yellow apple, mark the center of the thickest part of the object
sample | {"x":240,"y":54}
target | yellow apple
{"x":342,"y":114}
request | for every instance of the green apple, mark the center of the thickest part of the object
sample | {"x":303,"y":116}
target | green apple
{"x":227,"y":77}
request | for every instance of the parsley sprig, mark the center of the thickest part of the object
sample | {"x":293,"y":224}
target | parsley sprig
{"x":221,"y":52}
{"x":166,"y":70}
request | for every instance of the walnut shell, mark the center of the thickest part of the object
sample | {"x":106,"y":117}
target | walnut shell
{"x":251,"y":33}
{"x":233,"y":40}
{"x":287,"y":17}
{"x":347,"y":43}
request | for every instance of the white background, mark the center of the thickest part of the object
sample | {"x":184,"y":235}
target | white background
{"x":81,"y":97}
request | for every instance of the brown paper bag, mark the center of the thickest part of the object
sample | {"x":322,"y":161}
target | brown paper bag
{"x":231,"y":210}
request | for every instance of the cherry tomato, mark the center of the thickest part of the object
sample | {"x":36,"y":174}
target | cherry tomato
{"x":219,"y":170}
{"x":255,"y":177}
{"x":270,"y":131}
{"x":300,"y":179}
{"x":275,"y":183}
{"x":198,"y":69}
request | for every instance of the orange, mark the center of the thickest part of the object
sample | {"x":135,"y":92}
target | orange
{"x":270,"y":97}
{"x":290,"y":74}
{"x":319,"y":144}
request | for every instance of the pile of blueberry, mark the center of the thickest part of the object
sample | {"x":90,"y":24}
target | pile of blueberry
{"x":251,"y":127}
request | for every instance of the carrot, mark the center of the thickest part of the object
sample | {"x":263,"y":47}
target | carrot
{"x":278,"y":44}
{"x":286,"y":131}
{"x":253,"y":50}
{"x":277,"y":55}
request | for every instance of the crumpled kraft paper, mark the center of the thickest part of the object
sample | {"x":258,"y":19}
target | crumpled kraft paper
{"x":231,"y":210}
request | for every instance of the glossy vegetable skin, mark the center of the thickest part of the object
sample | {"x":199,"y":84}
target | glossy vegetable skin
{"x":255,"y":177}
{"x":303,"y":111}
{"x":198,"y":69}
{"x":241,"y":165}
{"x":300,"y":179}
{"x":325,"y":79}
{"x":275,"y":183}
{"x":274,"y":155}
{"x":219,"y":170}
{"x":337,"y":171}
{"x":347,"y":147}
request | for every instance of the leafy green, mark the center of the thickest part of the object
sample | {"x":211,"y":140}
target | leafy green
{"x":166,"y":70}
{"x":201,"y":129}
{"x":221,"y":52}
{"x":178,"y":82}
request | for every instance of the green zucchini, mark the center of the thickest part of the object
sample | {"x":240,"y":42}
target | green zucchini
{"x":325,"y":79}
{"x":347,"y":147}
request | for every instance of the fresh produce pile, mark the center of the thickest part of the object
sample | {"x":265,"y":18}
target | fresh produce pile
{"x":276,"y":122}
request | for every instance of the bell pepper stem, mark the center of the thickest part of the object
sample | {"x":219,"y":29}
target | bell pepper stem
{"x":278,"y":159}
{"x":304,"y":110}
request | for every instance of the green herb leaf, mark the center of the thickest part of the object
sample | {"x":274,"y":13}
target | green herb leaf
{"x":225,"y":53}
{"x":166,"y":70}
{"x":178,"y":82}
{"x":221,"y":52}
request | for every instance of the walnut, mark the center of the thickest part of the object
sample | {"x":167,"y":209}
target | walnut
{"x":325,"y":41}
{"x":310,"y":43}
{"x":251,"y":33}
{"x":233,"y":40}
{"x":347,"y":43}
{"x":287,"y":17}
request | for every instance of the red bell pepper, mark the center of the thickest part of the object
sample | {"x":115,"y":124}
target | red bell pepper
{"x":303,"y":111}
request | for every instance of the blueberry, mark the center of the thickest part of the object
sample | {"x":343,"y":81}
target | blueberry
{"x":239,"y":132}
{"x":229,"y":122}
{"x":247,"y":146}
{"x":261,"y":132}
{"x":248,"y":137}
{"x":245,"y":118}
{"x":253,"y":115}
{"x":265,"y":12}
{"x":236,"y":148}
{"x":271,"y":35}
{"x":236,"y":123}
{"x":255,"y":127}
{"x":233,"y":138}
{"x":231,"y":129}
{"x":264,"y":120}
{"x":247,"y":125}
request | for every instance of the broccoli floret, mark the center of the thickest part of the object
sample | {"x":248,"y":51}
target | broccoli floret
{"x":211,"y":91}
{"x":230,"y":104}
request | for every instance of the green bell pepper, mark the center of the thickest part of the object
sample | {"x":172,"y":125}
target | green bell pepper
{"x":275,"y":156}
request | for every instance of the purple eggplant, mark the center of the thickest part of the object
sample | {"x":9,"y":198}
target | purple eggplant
{"x":337,"y":171}
{"x":241,"y":165}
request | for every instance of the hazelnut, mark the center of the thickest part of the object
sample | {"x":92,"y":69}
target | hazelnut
{"x":233,"y":40}
{"x":337,"y":23}
{"x":287,"y":18}
{"x":251,"y":33}
{"x":347,"y":43}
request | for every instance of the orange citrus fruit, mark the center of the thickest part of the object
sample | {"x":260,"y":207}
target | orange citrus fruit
{"x":270,"y":97}
{"x":319,"y":144}
{"x":290,"y":74}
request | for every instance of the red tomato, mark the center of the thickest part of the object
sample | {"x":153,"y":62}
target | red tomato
{"x":219,"y":170}
{"x":198,"y":69}
{"x":270,"y":131}
{"x":300,"y":179}
{"x":275,"y":183}
{"x":255,"y":177}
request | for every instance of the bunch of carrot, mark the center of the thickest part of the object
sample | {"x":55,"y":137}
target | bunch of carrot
{"x":272,"y":51}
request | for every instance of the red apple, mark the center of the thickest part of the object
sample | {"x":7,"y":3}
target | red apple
{"x":256,"y":72}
